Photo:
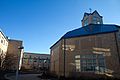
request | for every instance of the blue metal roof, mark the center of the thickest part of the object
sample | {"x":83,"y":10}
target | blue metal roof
{"x":90,"y":29}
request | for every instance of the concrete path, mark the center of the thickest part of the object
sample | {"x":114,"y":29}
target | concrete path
{"x":26,"y":77}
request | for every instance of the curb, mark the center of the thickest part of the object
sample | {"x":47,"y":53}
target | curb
{"x":6,"y":77}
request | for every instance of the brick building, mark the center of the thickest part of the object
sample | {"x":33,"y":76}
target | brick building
{"x":36,"y":61}
{"x":15,"y":53}
{"x":3,"y":47}
{"x":93,"y":49}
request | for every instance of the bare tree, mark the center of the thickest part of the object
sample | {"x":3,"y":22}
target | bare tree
{"x":10,"y":60}
{"x":2,"y":58}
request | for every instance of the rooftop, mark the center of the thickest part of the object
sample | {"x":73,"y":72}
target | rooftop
{"x":35,"y":53}
{"x":90,"y":29}
{"x":4,"y":35}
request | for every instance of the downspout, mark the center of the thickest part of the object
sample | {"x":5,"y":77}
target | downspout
{"x":64,"y":55}
{"x":117,"y":47}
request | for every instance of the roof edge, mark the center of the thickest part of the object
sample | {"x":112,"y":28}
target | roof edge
{"x":4,"y":35}
{"x":36,"y":53}
{"x":85,"y":35}
{"x":15,"y":40}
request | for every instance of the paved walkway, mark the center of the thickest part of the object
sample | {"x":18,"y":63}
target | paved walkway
{"x":26,"y":77}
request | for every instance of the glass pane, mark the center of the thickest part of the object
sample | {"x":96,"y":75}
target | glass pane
{"x":100,"y":56}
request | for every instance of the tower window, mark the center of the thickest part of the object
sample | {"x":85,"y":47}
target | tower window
{"x":86,"y":22}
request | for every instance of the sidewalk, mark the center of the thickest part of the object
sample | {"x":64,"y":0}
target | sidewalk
{"x":24,"y":77}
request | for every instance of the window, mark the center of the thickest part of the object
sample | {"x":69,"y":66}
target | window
{"x":88,"y":68}
{"x":100,"y":56}
{"x":1,"y":41}
{"x":89,"y":56}
{"x":35,"y":59}
{"x":101,"y":62}
{"x":39,"y":61}
{"x":83,"y":61}
{"x":77,"y":62}
{"x":94,"y":56}
{"x":30,"y":56}
{"x":31,"y":60}
{"x":86,"y":22}
{"x":25,"y":56}
{"x":96,"y":20}
{"x":89,"y":62}
{"x":83,"y":56}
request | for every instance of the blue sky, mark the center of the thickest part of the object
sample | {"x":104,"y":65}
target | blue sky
{"x":40,"y":23}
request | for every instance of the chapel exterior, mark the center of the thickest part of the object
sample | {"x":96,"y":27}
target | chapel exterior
{"x":93,"y":49}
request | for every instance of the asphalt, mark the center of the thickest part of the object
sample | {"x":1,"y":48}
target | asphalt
{"x":26,"y":77}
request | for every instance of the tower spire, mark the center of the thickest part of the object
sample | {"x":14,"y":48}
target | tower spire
{"x":90,"y":10}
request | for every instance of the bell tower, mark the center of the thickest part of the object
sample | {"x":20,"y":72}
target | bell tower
{"x":91,"y":18}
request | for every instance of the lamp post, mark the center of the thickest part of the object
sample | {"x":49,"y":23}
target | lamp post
{"x":17,"y":70}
